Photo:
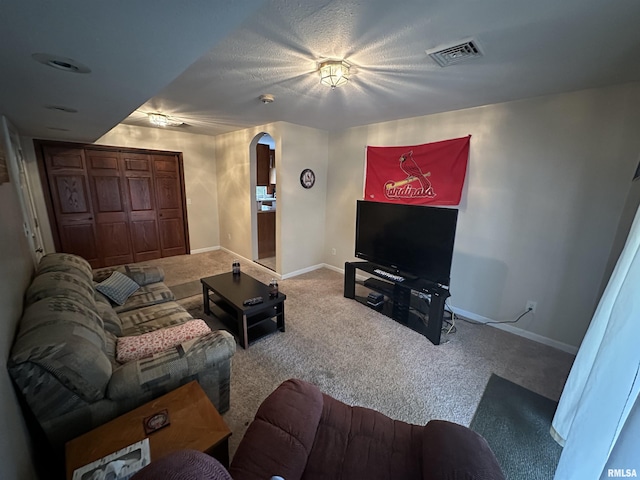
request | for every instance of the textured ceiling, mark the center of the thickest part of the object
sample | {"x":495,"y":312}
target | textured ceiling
{"x":207,"y":63}
{"x":134,"y":49}
{"x":530,"y":49}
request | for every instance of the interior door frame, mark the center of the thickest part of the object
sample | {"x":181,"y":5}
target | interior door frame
{"x":18,"y":171}
{"x":253,"y":181}
{"x":40,"y":145}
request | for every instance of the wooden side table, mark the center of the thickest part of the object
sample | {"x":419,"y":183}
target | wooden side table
{"x":194,"y":424}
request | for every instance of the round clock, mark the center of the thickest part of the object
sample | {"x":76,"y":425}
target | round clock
{"x":307,"y":178}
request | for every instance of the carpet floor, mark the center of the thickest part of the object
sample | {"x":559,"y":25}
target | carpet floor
{"x":361,"y":357}
{"x":188,"y":289}
{"x":515,"y":422}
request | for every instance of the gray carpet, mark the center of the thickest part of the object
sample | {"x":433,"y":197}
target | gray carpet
{"x":515,"y":422}
{"x":186,"y":290}
{"x":361,"y":357}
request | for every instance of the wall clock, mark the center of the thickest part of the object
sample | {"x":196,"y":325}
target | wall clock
{"x":307,"y":178}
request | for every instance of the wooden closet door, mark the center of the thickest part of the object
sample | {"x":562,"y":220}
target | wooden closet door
{"x":71,"y":202}
{"x":143,"y":219}
{"x":110,"y":207}
{"x":169,"y":201}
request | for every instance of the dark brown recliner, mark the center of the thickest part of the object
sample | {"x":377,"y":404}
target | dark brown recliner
{"x":301,"y":433}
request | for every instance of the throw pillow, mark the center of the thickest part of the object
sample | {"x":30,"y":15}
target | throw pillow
{"x":145,"y":345}
{"x":118,"y":287}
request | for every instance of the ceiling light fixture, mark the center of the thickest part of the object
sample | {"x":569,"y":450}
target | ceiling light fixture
{"x":334,"y":73}
{"x":160,"y":120}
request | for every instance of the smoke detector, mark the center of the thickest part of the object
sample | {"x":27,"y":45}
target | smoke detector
{"x":267,"y":98}
{"x":460,"y":52}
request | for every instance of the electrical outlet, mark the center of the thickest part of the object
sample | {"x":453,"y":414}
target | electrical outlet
{"x":229,"y":235}
{"x":531,"y":305}
{"x":333,"y":251}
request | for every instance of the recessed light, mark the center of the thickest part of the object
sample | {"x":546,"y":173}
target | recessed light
{"x":61,"y":108}
{"x":61,"y":63}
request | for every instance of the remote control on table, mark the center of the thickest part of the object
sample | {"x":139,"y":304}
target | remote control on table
{"x":252,"y":301}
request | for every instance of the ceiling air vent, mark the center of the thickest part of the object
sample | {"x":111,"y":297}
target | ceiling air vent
{"x":456,"y":53}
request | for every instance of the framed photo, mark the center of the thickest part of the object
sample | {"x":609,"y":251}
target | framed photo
{"x":156,"y":421}
{"x":120,"y":465}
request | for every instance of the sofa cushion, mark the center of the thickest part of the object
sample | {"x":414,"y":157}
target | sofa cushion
{"x":68,"y":284}
{"x":65,"y":262}
{"x":145,"y":297}
{"x":65,"y":338}
{"x":145,"y":345}
{"x":141,"y":274}
{"x":118,"y":287}
{"x":148,"y":319}
{"x":110,"y":319}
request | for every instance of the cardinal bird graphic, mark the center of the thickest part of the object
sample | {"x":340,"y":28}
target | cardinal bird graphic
{"x":411,"y":168}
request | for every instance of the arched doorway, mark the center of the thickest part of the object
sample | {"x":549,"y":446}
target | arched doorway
{"x":263,"y":201}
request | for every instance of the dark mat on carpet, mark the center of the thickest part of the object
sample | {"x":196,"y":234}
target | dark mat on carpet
{"x":185,"y":290}
{"x":516,"y":421}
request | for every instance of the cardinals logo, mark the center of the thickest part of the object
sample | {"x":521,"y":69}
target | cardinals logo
{"x":415,"y":185}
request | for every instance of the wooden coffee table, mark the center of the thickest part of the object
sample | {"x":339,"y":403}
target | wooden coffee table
{"x":223,"y":296}
{"x":194,"y":424}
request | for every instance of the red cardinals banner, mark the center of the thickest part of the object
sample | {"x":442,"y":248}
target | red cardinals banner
{"x":432,"y":173}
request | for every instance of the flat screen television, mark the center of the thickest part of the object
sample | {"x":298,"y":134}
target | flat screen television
{"x":410,"y":240}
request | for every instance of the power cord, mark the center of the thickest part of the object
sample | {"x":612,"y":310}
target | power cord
{"x":506,"y":321}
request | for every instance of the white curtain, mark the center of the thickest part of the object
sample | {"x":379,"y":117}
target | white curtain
{"x":597,"y":417}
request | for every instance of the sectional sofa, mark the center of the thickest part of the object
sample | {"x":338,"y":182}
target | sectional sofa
{"x":64,"y":363}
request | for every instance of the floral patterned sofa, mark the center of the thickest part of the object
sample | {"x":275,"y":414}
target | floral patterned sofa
{"x":63,"y":361}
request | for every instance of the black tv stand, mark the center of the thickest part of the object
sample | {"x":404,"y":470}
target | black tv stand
{"x":401,"y":303}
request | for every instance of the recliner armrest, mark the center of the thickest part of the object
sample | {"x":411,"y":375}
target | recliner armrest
{"x":280,"y":438}
{"x":452,"y":451}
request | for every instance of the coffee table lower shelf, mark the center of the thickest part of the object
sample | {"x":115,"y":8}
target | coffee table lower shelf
{"x":258,"y":325}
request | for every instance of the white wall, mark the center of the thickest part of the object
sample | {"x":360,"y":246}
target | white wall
{"x":545,"y":188}
{"x":201,"y":184}
{"x":300,"y":213}
{"x":16,"y":267}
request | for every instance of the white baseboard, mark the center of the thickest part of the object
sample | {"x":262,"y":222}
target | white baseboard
{"x":203,"y":250}
{"x":303,"y":270}
{"x":255,"y":264}
{"x":565,"y":347}
{"x":335,"y":269}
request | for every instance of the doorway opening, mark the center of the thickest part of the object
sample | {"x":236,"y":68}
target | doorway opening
{"x":264,"y":204}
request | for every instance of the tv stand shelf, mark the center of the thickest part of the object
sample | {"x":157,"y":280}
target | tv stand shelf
{"x":400,"y":300}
